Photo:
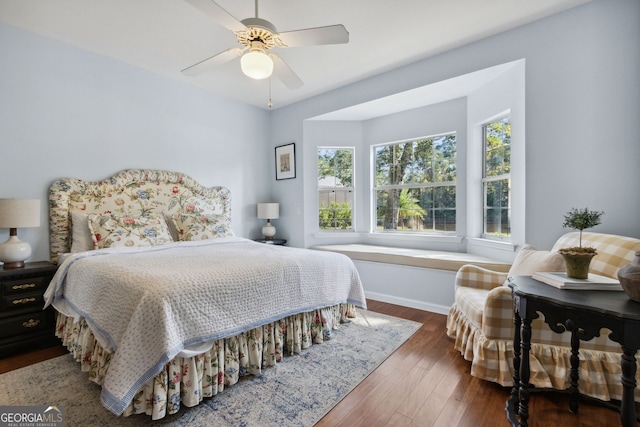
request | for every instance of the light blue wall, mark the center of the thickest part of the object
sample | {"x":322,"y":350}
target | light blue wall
{"x":65,"y":112}
{"x":582,"y":115}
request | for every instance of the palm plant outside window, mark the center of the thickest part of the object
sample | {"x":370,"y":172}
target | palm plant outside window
{"x":415,"y":185}
{"x":496,"y":179}
{"x":335,"y":188}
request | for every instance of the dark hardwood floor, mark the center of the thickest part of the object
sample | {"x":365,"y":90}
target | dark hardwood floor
{"x":427,"y":383}
{"x":424,"y":383}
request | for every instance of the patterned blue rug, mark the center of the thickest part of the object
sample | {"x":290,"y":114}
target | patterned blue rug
{"x":299,"y":391}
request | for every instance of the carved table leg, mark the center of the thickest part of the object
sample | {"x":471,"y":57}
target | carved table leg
{"x":525,"y":344}
{"x":627,"y":405}
{"x":517,"y":322}
{"x":575,"y":363}
{"x":514,"y":402}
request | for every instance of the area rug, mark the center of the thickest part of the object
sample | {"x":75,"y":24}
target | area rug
{"x":299,"y":391}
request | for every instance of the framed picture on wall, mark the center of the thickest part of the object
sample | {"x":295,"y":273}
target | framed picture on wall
{"x":286,"y":161}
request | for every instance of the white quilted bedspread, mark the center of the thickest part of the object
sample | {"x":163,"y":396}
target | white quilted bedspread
{"x":148,"y":304}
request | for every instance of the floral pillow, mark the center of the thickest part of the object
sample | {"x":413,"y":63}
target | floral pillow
{"x":197,"y":226}
{"x":117,"y":230}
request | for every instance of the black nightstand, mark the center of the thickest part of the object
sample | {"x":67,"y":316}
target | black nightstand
{"x":279,"y":242}
{"x":23,"y":323}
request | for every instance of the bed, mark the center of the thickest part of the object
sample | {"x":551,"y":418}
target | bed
{"x":164,"y":306}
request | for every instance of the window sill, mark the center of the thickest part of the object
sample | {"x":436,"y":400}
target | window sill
{"x":493,"y":244}
{"x":336,"y":233}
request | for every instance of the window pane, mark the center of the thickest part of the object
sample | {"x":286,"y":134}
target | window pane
{"x":497,"y":211}
{"x":497,"y":140}
{"x":497,"y":164}
{"x":335,"y":183}
{"x":429,"y":209}
{"x":383,"y":161}
{"x":444,"y":209}
{"x":335,"y":210}
{"x":335,"y":167}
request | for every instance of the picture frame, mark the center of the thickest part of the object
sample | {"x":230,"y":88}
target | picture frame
{"x":286,"y":161}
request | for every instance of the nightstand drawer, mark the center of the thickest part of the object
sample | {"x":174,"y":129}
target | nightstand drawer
{"x":28,"y":284}
{"x":31,"y":322}
{"x":23,"y":322}
{"x":34,"y":300}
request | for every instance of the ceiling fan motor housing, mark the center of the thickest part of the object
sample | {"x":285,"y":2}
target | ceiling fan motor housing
{"x":259,"y":29}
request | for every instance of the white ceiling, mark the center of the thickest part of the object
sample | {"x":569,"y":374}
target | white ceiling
{"x":166,"y":36}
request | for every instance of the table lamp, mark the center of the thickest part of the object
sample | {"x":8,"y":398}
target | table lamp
{"x":14,"y":214}
{"x":268,"y":211}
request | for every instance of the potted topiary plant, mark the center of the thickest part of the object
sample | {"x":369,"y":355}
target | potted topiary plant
{"x":578,"y":258}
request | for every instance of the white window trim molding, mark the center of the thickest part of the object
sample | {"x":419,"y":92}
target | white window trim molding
{"x":433,"y":238}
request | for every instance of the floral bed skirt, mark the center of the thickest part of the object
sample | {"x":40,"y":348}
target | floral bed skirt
{"x":187,"y":380}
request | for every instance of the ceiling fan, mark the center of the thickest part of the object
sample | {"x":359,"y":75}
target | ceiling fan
{"x":258,"y":36}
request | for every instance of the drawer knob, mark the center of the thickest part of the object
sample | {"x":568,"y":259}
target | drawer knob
{"x":23,"y":300}
{"x":31,"y":323}
{"x":24,"y":286}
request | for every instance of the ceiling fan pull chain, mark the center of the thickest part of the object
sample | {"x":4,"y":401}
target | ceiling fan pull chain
{"x":269,"y":104}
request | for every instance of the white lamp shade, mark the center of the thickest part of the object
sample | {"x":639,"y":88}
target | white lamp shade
{"x":268,"y":210}
{"x":256,"y":65}
{"x":19,"y":213}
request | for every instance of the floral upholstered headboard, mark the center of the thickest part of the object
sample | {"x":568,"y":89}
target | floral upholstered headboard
{"x":135,"y":192}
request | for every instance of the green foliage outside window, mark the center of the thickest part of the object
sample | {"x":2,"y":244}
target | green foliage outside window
{"x":415,"y":185}
{"x":497,"y":178}
{"x":335,"y":188}
{"x":337,"y":216}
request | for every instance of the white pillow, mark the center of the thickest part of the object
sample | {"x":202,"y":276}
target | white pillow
{"x":529,"y":261}
{"x":80,"y":234}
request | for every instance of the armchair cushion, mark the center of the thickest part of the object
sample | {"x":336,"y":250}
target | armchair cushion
{"x":471,"y":303}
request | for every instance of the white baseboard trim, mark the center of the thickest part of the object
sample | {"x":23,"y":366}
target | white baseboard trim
{"x":405,"y":302}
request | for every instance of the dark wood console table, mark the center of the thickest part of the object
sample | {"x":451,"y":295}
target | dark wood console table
{"x":583,"y":313}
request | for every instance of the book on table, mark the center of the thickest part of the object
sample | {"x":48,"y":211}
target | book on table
{"x":595,"y":282}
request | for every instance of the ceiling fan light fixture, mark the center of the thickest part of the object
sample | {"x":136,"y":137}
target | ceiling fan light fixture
{"x":256,"y":63}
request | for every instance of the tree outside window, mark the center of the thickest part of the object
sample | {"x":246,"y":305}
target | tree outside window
{"x":496,"y":179}
{"x":415,"y":185}
{"x":335,"y":188}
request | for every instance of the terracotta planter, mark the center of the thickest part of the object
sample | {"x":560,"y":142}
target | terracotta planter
{"x":577,"y":264}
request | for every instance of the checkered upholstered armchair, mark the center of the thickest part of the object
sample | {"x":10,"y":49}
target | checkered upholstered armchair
{"x":481,"y":323}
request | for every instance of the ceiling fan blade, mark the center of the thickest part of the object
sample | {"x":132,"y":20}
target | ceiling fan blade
{"x":284,"y":73}
{"x":215,"y":11}
{"x":333,"y":34}
{"x":211,"y":62}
